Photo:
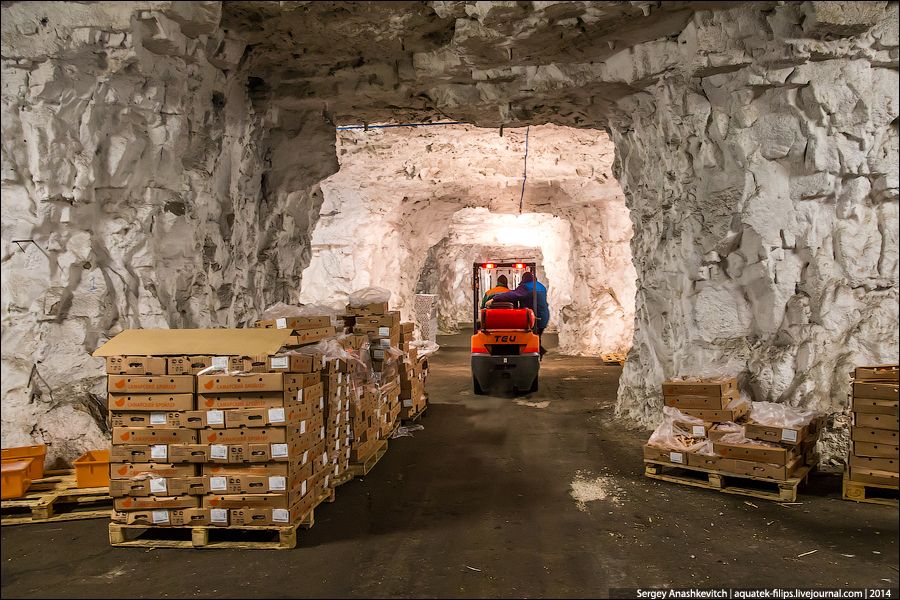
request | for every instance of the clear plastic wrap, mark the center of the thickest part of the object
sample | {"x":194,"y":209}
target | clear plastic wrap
{"x":424,"y":348}
{"x":280,"y":310}
{"x":705,"y":448}
{"x":671,"y":436}
{"x":730,"y":427}
{"x":679,"y":417}
{"x":740,"y":438}
{"x":772,"y":414}
{"x":369,"y":295}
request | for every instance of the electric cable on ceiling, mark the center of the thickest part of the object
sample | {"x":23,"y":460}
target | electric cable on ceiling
{"x":525,"y":172}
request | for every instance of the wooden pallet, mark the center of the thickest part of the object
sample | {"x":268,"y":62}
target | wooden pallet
{"x":878,"y":493}
{"x":57,"y":497}
{"x":615,"y":357}
{"x":730,"y":483}
{"x":416,"y":416}
{"x":193,"y":536}
{"x":335,"y":482}
{"x":362,"y":468}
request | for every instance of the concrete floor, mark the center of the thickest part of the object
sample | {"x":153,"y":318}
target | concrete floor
{"x":497,"y":497}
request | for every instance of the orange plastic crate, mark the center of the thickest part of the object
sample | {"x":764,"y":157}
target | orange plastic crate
{"x":15,"y":478}
{"x":36,"y":471}
{"x":92,"y":469}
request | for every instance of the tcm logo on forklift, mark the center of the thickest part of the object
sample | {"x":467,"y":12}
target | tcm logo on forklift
{"x":504,"y":338}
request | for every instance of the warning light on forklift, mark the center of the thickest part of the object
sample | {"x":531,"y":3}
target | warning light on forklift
{"x":489,"y":265}
{"x":520,"y":265}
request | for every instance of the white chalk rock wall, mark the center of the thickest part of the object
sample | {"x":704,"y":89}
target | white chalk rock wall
{"x":765,"y":211}
{"x":135,"y":171}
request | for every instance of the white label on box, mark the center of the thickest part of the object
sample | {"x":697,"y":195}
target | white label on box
{"x":303,"y":488}
{"x":676,"y":457}
{"x":305,"y":457}
{"x":337,"y":445}
{"x":281,"y":323}
{"x":348,"y":452}
{"x":215,"y":417}
{"x":321,"y":402}
{"x":218,"y":515}
{"x":326,"y":480}
{"x":158,"y":485}
{"x":379,"y":354}
{"x":324,"y":458}
{"x":339,"y":377}
{"x":280,"y":515}
{"x":335,"y":470}
{"x":276,"y":415}
{"x":157,"y":418}
{"x":323,"y":361}
{"x":322,"y":434}
{"x":300,"y":395}
{"x":218,"y":451}
{"x":159,"y":451}
{"x":279,"y":450}
{"x":384,"y":331}
{"x":160,"y":516}
{"x":218,"y":484}
{"x":277,"y":484}
{"x":220,"y":362}
{"x":699,"y":430}
{"x":407,"y":402}
{"x":384,"y":343}
{"x":789,"y":435}
{"x":302,"y":427}
{"x":280,"y":362}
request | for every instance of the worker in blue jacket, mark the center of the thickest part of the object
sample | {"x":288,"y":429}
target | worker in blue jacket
{"x":523,"y":297}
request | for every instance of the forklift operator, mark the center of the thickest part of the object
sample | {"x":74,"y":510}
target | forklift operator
{"x":501,"y":287}
{"x":523,"y":297}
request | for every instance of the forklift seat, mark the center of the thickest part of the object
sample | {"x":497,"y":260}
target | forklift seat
{"x":521,"y":319}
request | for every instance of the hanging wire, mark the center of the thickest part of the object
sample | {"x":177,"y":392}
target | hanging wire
{"x":525,"y":172}
{"x":367,"y":127}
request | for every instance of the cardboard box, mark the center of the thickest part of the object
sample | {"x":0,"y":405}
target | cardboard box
{"x":783,"y":435}
{"x":295,"y":363}
{"x":243,"y":400}
{"x":271,"y":500}
{"x":701,"y":430}
{"x":134,"y":453}
{"x":164,"y":517}
{"x":189,"y":453}
{"x":153,"y":435}
{"x":699,"y":402}
{"x":295,"y":323}
{"x":265,"y":417}
{"x":231,"y":384}
{"x":877,"y":372}
{"x":303,"y":337}
{"x":204,"y":419}
{"x":885,"y":390}
{"x":171,"y":419}
{"x":712,"y":463}
{"x":389,"y":319}
{"x":129,"y":470}
{"x":891,"y":465}
{"x":199,"y":342}
{"x":255,"y":435}
{"x":768,"y":471}
{"x":705,"y":387}
{"x":297,"y":381}
{"x":159,"y":486}
{"x":376,"y":308}
{"x":243,"y":517}
{"x":876,"y":421}
{"x":187,"y":365}
{"x":156,"y":502}
{"x":665,"y":455}
{"x":874,"y":436}
{"x":781,"y":455}
{"x":152,"y":402}
{"x":736,"y":410}
{"x":150,"y":384}
{"x":258,"y":484}
{"x":407,"y":327}
{"x":872,"y":450}
{"x":865,"y":475}
{"x":135,"y":365}
{"x":880,"y":406}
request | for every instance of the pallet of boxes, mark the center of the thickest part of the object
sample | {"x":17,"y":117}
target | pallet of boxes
{"x":375,"y":405}
{"x":711,"y":438}
{"x":214,"y":429}
{"x":412,"y":377}
{"x":872,"y":468}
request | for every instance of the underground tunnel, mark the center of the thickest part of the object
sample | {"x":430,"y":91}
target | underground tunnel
{"x":712,"y":188}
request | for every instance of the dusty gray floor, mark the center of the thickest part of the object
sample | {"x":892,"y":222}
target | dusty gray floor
{"x":498,"y":497}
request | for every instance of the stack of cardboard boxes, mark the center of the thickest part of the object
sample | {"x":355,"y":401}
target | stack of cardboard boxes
{"x":217,"y":448}
{"x":715,"y":402}
{"x":874,"y":450}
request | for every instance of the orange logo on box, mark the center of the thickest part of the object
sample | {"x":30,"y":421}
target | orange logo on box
{"x":123,"y":470}
{"x":120,"y":402}
{"x":303,"y":337}
{"x":209,"y":384}
{"x":210,"y":402}
{"x":126,"y":436}
{"x":214,"y":502}
{"x":120,"y":384}
{"x":127,"y":502}
{"x":290,"y":414}
{"x":216,"y":468}
{"x":212,"y":437}
{"x":671,"y":389}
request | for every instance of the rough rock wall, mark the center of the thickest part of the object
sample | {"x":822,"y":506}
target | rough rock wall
{"x":761,"y":173}
{"x":151,"y":190}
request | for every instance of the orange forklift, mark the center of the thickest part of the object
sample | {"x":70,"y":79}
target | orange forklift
{"x":505,"y":347}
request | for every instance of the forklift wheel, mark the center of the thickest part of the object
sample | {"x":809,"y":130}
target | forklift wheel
{"x":534,"y":386}
{"x":478,"y":390}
